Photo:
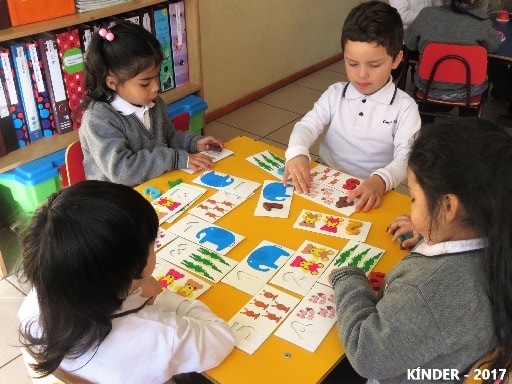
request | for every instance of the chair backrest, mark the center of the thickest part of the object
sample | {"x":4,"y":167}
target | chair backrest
{"x":452,"y":63}
{"x":74,"y":169}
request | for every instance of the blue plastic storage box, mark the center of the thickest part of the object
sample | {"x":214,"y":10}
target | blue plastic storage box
{"x":32,"y":183}
{"x":192,"y":105}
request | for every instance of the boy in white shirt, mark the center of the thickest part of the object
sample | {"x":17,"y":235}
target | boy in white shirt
{"x":370,"y":122}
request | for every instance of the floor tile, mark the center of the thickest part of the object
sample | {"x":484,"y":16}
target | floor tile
{"x":338,"y":66}
{"x":258,"y":118}
{"x":321,"y":80}
{"x":15,"y":372}
{"x":293,"y":98}
{"x":10,"y":301}
{"x":225,"y":132}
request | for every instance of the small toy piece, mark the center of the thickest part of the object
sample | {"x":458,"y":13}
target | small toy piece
{"x":173,"y":183}
{"x":269,"y":206}
{"x":152,"y":192}
{"x":376,"y":279}
{"x":404,"y":237}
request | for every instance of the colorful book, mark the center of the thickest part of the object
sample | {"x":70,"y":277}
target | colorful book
{"x":5,"y":22}
{"x":179,"y":42}
{"x":55,"y":80}
{"x":20,"y":62}
{"x":8,"y":139}
{"x":85,"y":31}
{"x":40,"y":88}
{"x":163,"y":34}
{"x":72,"y":62}
{"x":13,"y":97}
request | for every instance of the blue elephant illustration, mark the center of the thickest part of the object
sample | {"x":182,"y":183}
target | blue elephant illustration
{"x":220,"y":237}
{"x":275,"y":192}
{"x":214,"y":180}
{"x":264,"y":258}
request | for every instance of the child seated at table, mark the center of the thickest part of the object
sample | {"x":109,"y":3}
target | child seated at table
{"x":449,"y":301}
{"x":370,"y":122}
{"x":95,"y":310}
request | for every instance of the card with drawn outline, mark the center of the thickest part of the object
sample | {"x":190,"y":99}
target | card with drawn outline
{"x":175,"y":200}
{"x":275,"y":199}
{"x":253,"y":272}
{"x":214,"y":155}
{"x":304,"y":267}
{"x":208,"y":235}
{"x":224,"y":182}
{"x":163,"y":237}
{"x":197,"y":259}
{"x":184,"y":283}
{"x":354,"y":253}
{"x":216,"y":206}
{"x":311,"y":320}
{"x":269,"y":162}
{"x":262,"y":314}
{"x":332,"y":225}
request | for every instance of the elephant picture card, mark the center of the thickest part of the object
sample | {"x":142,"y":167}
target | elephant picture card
{"x":311,"y":320}
{"x":275,"y":199}
{"x":224,"y":182}
{"x":214,"y":155}
{"x":174,"y":201}
{"x":260,"y":316}
{"x":356,"y":254}
{"x":208,"y":235}
{"x":216,"y":206}
{"x":304,"y":267}
{"x":172,"y":277}
{"x":269,"y":162}
{"x":199,"y":260}
{"x":257,"y":268}
{"x":338,"y":226}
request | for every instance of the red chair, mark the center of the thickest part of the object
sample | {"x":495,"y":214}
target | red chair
{"x":73,"y":170}
{"x":453,"y":63}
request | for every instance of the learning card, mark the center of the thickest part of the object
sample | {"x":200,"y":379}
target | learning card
{"x":311,"y":320}
{"x":253,"y":272}
{"x":256,"y":321}
{"x":208,"y":235}
{"x":334,"y":178}
{"x":163,"y":237}
{"x":275,"y":199}
{"x":216,"y":206}
{"x":173,"y":202}
{"x":332,"y":225}
{"x":197,"y":259}
{"x":329,"y":197}
{"x":232,"y":184}
{"x":357,"y":254}
{"x":269,"y":162}
{"x":304,"y":267}
{"x":214,"y":155}
{"x":180,"y":281}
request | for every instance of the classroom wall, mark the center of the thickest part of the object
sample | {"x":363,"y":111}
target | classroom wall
{"x":248,"y":45}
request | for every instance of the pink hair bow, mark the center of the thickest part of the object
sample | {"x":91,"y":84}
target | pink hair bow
{"x":107,"y":35}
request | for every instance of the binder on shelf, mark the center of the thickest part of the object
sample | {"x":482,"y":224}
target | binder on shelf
{"x":13,"y":97}
{"x":8,"y":138}
{"x":133,"y":17}
{"x":72,"y":62}
{"x":146,"y":19}
{"x":85,"y":31}
{"x":5,"y":22}
{"x":163,"y":34}
{"x":179,"y":42}
{"x":56,"y":89}
{"x":20,"y":61}
{"x":40,"y":88}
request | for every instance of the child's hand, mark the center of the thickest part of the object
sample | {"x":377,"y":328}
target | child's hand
{"x":298,"y":169}
{"x":150,"y":288}
{"x":369,"y":192}
{"x":209,"y":143}
{"x":402,"y":230}
{"x":197,"y":161}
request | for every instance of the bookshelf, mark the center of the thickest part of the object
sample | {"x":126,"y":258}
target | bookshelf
{"x":54,"y":143}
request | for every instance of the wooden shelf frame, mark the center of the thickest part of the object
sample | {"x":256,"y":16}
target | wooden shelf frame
{"x":54,"y":143}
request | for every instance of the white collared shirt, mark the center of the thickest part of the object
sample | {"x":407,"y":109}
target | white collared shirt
{"x":126,"y":108}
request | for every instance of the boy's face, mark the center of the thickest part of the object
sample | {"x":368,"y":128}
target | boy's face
{"x":368,"y":65}
{"x":139,"y":90}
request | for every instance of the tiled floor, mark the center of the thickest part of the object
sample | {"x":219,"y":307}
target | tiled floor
{"x":269,"y":119}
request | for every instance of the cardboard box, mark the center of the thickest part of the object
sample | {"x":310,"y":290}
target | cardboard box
{"x":29,"y":11}
{"x":192,"y":105}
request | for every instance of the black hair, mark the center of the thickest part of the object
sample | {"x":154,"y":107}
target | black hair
{"x":81,"y":252}
{"x":374,"y":22}
{"x":132,"y":50}
{"x":471,"y":158}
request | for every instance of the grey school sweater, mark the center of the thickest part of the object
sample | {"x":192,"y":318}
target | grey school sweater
{"x":120,"y":149}
{"x":432,"y":312}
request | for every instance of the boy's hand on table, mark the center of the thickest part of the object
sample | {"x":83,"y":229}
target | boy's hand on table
{"x":199,"y":161}
{"x":369,"y":192}
{"x":403,"y":231}
{"x":298,"y":169}
{"x":209,"y":143}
